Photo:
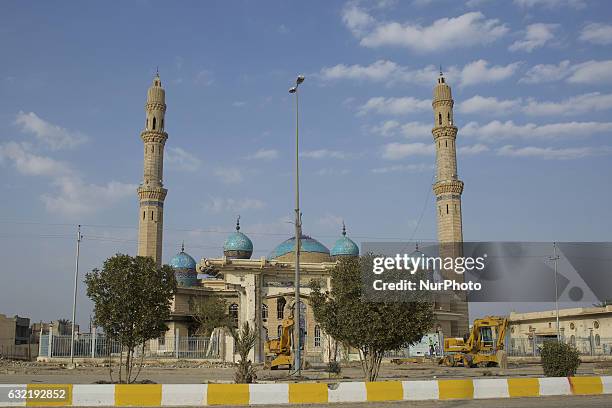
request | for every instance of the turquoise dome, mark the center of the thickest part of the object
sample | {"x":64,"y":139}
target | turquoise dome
{"x":308,"y":244}
{"x":237,"y":245}
{"x":184,"y":268}
{"x":344,"y":246}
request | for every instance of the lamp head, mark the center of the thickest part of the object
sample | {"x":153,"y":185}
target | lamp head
{"x":299,"y":79}
{"x":293,"y":89}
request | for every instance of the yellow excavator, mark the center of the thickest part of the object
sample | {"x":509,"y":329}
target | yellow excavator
{"x":483,"y":348}
{"x":279,"y":350}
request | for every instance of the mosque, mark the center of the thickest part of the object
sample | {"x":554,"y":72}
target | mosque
{"x":261,"y":291}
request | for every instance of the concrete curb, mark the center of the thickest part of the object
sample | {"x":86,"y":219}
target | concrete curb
{"x":122,"y":395}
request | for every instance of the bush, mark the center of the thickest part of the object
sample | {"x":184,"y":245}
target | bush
{"x":559,"y":359}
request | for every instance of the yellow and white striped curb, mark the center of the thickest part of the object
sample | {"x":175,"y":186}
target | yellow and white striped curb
{"x":123,"y":395}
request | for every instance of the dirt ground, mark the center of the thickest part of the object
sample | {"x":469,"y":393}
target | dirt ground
{"x":179,"y":372}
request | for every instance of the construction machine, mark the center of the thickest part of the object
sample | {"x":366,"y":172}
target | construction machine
{"x":483,"y":348}
{"x":279,"y":350}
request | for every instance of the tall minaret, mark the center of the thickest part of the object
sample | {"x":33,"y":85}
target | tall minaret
{"x":151,"y":192}
{"x":448,"y":189}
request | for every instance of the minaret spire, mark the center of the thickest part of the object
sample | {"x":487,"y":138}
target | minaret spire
{"x":151,"y":192}
{"x":448,"y":189}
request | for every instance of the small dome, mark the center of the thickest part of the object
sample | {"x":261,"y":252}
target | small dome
{"x":344,"y":246}
{"x":184,"y":268}
{"x":311,"y":250}
{"x":237,"y":245}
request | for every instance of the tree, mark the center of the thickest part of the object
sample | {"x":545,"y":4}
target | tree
{"x":372,"y":327}
{"x":559,"y":359}
{"x":132,"y":298}
{"x":210,"y":313}
{"x":245,"y":339}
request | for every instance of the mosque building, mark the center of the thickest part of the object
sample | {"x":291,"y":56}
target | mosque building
{"x":261,"y":291}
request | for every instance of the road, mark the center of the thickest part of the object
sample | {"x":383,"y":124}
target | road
{"x":599,"y":401}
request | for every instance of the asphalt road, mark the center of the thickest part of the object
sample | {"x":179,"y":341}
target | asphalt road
{"x":599,"y":401}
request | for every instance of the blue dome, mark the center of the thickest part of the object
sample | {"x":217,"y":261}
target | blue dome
{"x":238,"y":245}
{"x":183,"y":260}
{"x":308,"y":244}
{"x":184,"y":268}
{"x":345,"y":246}
{"x":237,"y":241}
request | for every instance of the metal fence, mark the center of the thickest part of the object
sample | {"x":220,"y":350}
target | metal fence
{"x":586,"y":346}
{"x":99,"y":346}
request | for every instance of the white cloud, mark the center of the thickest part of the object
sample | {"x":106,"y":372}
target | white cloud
{"x":408,"y":168}
{"x":592,"y":72}
{"x":32,"y":164}
{"x":53,"y":136}
{"x":546,"y":73}
{"x":324,"y":154}
{"x":589,"y":72}
{"x":330,"y":220}
{"x":238,"y":104}
{"x":551,"y":3}
{"x":472,"y":150}
{"x":497,"y":130}
{"x":179,"y":159}
{"x":219,"y":204}
{"x":597,"y":33}
{"x":575,"y":105}
{"x":490,"y":105}
{"x":332,"y":172}
{"x":396,"y":151}
{"x":389,"y":72}
{"x":77,"y":198}
{"x":479,"y":72}
{"x":229,"y":175}
{"x":549,"y":153}
{"x":381,"y":70}
{"x":73,"y":197}
{"x":536,"y":36}
{"x":264,"y":154}
{"x":409,"y":130}
{"x":394,"y":106}
{"x":356,"y":19}
{"x":466,"y":30}
{"x":204,"y":77}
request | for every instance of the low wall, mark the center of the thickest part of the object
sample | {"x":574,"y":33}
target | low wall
{"x":298,"y":393}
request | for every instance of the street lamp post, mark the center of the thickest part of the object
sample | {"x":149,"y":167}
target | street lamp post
{"x":76,"y":279}
{"x":555,"y":258}
{"x":297,"y":362}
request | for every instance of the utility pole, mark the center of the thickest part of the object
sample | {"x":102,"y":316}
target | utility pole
{"x":76,"y":280}
{"x":555,"y":258}
{"x":297,"y":346}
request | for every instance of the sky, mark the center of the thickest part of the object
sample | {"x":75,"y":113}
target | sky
{"x":531,"y":79}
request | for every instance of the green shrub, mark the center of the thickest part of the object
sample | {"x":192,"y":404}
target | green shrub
{"x":559,"y":359}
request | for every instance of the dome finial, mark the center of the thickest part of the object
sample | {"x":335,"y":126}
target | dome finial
{"x":238,"y":223}
{"x":416,"y":246}
{"x":183,"y":246}
{"x":343,"y":229}
{"x":441,"y":74}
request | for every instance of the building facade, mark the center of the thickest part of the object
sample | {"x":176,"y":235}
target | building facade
{"x":261,"y":291}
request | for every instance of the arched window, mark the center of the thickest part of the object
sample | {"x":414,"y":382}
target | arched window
{"x":147,"y":124}
{"x":280,"y":308}
{"x":317,"y":336}
{"x":233,"y":312}
{"x":265,"y":333}
{"x":144,"y":215}
{"x":264,"y":311}
{"x":439,"y":120}
{"x":154,"y":121}
{"x":279,"y":331}
{"x":151,"y":215}
{"x":448,"y":117}
{"x":573,"y":340}
{"x":597,"y":340}
{"x":162,"y":126}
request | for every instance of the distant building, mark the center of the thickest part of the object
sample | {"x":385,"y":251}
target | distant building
{"x":587,"y":327}
{"x":14,"y":330}
{"x":60,"y":328}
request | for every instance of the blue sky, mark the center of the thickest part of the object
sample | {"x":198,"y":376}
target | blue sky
{"x":532,"y":81}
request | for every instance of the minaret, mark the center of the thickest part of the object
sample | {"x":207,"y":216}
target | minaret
{"x":448,"y":189}
{"x":151,"y":192}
